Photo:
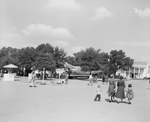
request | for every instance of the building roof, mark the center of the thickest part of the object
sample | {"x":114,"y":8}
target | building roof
{"x":140,"y":64}
{"x":74,"y":68}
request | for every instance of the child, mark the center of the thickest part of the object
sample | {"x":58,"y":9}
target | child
{"x":98,"y":95}
{"x":130,"y":93}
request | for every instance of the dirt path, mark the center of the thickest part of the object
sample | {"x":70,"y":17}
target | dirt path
{"x":70,"y":103}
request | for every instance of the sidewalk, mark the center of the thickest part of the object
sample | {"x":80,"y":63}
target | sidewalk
{"x":70,"y":103}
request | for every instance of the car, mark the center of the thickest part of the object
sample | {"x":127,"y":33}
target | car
{"x":146,"y":78}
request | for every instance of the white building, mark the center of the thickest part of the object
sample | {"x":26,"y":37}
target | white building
{"x":140,"y":70}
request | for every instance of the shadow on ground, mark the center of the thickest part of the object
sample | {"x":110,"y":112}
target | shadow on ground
{"x":115,"y":101}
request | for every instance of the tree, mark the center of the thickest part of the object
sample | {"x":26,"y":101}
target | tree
{"x":78,"y":57}
{"x":26,"y":58}
{"x":45,"y":61}
{"x":57,"y":53}
{"x":104,"y":63}
{"x":45,"y":48}
{"x":7,"y":56}
{"x":88,"y":59}
{"x":71,"y":60}
{"x":128,"y":62}
{"x":118,"y":60}
{"x":59,"y":57}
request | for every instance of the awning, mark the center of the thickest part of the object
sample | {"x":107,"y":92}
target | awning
{"x":10,"y":66}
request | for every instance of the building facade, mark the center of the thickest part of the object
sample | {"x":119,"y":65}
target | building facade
{"x":139,"y":70}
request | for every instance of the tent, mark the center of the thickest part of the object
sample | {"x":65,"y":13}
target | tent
{"x":9,"y":76}
{"x":10,"y":66}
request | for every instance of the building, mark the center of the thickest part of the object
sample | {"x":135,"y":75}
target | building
{"x":139,"y":70}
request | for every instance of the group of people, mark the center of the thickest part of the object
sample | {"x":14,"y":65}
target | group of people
{"x":32,"y":79}
{"x":113,"y":91}
{"x":118,"y":92}
{"x":92,"y":80}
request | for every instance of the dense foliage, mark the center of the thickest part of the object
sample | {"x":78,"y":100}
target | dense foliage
{"x":88,"y":59}
{"x":49,"y":57}
{"x":91,"y":59}
{"x":43,"y":56}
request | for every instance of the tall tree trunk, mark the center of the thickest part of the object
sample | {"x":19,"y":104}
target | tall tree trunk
{"x":90,"y":72}
{"x":114,"y":74}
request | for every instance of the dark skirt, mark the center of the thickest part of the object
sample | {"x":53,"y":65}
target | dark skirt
{"x":120,"y":92}
{"x":111,"y":90}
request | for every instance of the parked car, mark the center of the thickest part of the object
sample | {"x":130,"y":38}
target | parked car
{"x":146,"y":78}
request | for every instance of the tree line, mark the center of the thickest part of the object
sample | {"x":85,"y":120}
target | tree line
{"x":91,"y":59}
{"x":50,"y":57}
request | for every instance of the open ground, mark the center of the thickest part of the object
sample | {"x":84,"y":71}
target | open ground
{"x":70,"y":103}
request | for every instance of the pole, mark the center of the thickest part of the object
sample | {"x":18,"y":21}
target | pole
{"x":59,"y":77}
{"x":129,"y":73}
{"x":139,"y":73}
{"x":134,"y":72}
{"x":43,"y":76}
{"x":24,"y":71}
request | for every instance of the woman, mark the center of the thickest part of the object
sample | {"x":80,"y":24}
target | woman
{"x":33,"y":76}
{"x":111,"y":90}
{"x":120,"y":94}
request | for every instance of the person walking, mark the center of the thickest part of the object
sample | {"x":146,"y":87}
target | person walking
{"x":98,"y":93}
{"x":91,"y":80}
{"x":129,"y":94}
{"x":111,"y":89}
{"x":120,"y":94}
{"x":66,"y":78}
{"x":32,"y":82}
{"x":103,"y":79}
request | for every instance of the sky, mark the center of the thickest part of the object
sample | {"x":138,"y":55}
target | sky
{"x":75,"y":25}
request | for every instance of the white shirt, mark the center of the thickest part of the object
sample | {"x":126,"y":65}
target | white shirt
{"x":98,"y":91}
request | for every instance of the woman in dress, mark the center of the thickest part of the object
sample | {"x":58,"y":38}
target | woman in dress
{"x":120,"y":94}
{"x":111,"y":90}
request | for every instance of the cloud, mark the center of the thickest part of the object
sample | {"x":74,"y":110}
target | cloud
{"x":142,"y":13}
{"x":35,"y":34}
{"x":64,"y":4}
{"x":101,"y":13}
{"x":46,"y":31}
